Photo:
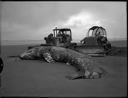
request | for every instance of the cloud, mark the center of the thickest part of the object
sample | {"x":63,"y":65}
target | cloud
{"x":25,"y":20}
{"x":82,"y":19}
{"x":80,"y":23}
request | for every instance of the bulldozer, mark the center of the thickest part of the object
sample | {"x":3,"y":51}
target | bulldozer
{"x":60,"y":37}
{"x":95,"y":42}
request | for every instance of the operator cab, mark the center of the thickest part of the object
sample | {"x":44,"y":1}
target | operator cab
{"x":63,"y":34}
{"x":96,"y":31}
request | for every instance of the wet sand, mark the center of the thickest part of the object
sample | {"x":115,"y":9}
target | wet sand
{"x":39,"y":78}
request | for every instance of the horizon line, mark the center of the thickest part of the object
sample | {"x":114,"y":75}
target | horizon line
{"x":44,"y":40}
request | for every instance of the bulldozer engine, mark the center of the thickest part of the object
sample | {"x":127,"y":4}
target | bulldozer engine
{"x":104,"y":42}
{"x":50,"y":39}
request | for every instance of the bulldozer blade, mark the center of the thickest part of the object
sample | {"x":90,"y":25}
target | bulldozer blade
{"x":97,"y":55}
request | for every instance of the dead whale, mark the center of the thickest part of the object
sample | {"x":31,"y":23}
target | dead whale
{"x":87,"y":68}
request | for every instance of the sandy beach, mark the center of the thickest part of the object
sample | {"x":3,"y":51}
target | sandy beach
{"x":39,"y":78}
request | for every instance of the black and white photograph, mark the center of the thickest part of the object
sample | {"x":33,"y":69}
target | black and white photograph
{"x":63,"y":48}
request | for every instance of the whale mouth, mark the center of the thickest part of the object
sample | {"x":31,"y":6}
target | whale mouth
{"x":29,"y":54}
{"x":25,"y":56}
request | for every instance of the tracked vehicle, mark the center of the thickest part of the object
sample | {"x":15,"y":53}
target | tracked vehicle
{"x":95,"y":43}
{"x":61,"y":37}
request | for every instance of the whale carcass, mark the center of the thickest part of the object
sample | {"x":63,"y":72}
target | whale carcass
{"x":86,"y":66}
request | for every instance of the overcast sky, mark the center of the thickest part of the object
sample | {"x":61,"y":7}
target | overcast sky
{"x":35,"y":20}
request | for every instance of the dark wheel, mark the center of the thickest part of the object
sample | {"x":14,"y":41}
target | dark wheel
{"x":1,"y":65}
{"x":107,"y":46}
